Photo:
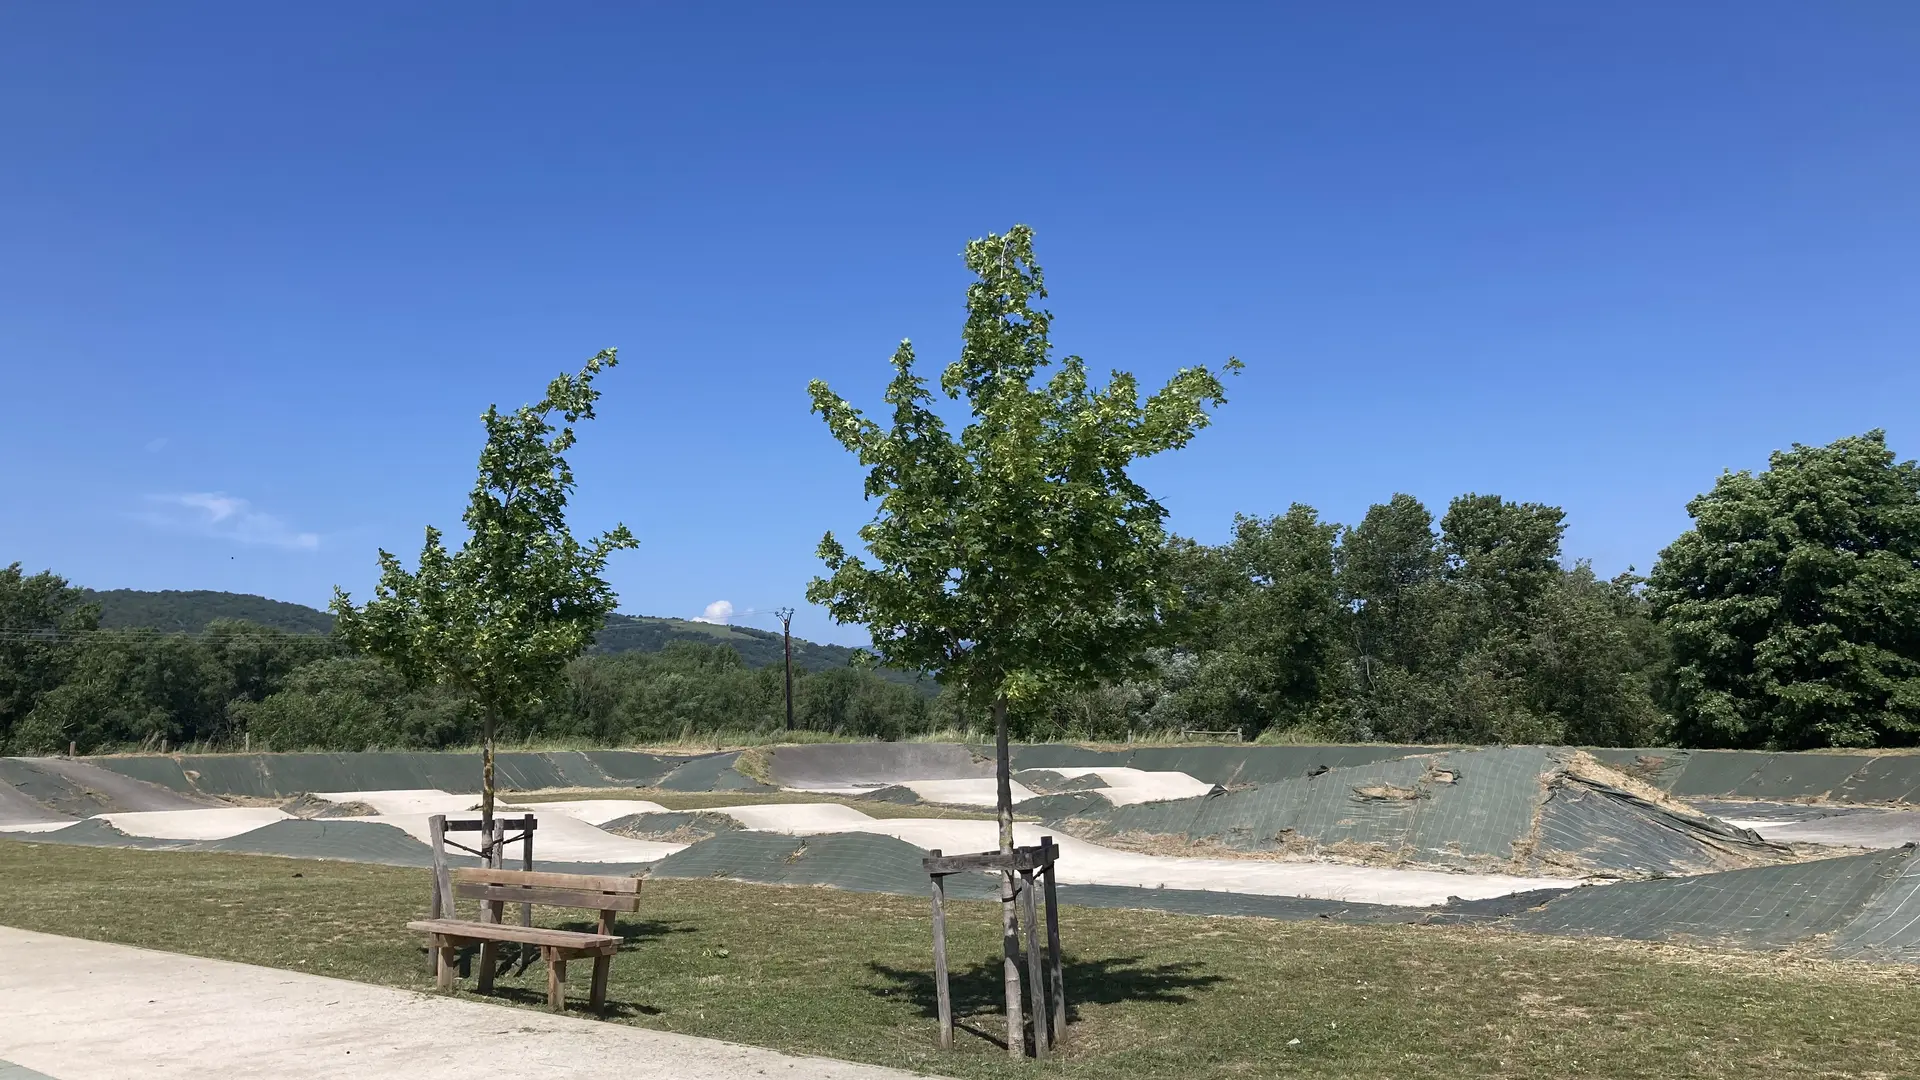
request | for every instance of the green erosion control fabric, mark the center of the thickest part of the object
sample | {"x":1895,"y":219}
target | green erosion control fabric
{"x":285,"y":775}
{"x":673,"y":826}
{"x":710,"y":772}
{"x":1766,"y":907}
{"x":341,"y":839}
{"x":1887,"y":929}
{"x":1064,"y":805}
{"x":77,"y":788}
{"x":1510,"y":807}
{"x":1048,"y":782}
{"x":95,"y":832}
{"x":863,"y":862}
{"x":849,"y":764}
{"x":1658,"y":765}
{"x":631,"y":768}
{"x":19,"y":808}
{"x":1591,"y":827}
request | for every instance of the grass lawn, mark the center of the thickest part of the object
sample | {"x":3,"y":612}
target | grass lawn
{"x":702,"y":800}
{"x":1155,"y":995}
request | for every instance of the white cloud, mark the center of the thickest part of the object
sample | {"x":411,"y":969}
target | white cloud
{"x":225,"y":517}
{"x":720,"y":611}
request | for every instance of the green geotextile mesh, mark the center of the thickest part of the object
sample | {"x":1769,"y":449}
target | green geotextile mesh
{"x":864,"y":862}
{"x":344,"y":841}
{"x":95,"y":832}
{"x":78,"y":788}
{"x":1048,"y":782}
{"x":632,"y":768}
{"x":1887,"y":929}
{"x":1759,"y":908}
{"x":1594,"y":827}
{"x":349,"y":841}
{"x":1065,"y":804}
{"x":892,"y":793}
{"x":710,"y":772}
{"x":285,"y":775}
{"x":837,"y":764}
{"x":1844,"y":778}
{"x":1514,"y":807}
{"x":1657,"y":765}
{"x":672,"y":826}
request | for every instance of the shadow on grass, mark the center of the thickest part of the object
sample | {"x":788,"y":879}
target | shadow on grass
{"x":515,"y":959}
{"x":979,"y":990}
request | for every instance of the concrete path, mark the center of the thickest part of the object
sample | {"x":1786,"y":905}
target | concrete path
{"x":85,"y":1010}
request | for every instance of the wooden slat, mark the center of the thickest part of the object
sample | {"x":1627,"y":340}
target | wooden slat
{"x":476,"y":824}
{"x":588,"y":882}
{"x":532,"y":935}
{"x":1021,"y":859}
{"x":566,"y":898}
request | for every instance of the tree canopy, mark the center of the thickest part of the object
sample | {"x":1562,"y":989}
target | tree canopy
{"x":1019,"y":553}
{"x":1793,"y":604}
{"x":499,"y":620}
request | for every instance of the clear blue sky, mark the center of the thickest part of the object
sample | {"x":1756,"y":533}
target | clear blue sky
{"x":262,"y":265}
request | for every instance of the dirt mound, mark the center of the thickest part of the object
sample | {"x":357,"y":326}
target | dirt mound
{"x":313,"y":807}
{"x":1550,"y":810}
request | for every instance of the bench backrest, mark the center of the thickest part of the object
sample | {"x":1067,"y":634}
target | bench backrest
{"x":553,"y":890}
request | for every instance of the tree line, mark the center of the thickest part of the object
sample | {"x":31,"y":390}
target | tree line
{"x":64,"y":680}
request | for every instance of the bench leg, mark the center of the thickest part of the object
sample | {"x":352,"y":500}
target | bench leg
{"x":489,"y":953}
{"x":601,"y":965}
{"x":556,"y":979}
{"x":448,"y":959}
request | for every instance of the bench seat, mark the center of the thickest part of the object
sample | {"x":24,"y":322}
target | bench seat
{"x":463,"y":931}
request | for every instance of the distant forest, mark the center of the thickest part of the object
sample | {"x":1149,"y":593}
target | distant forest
{"x":1787,"y":617}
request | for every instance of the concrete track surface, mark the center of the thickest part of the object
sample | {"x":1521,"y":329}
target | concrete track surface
{"x":86,"y":1010}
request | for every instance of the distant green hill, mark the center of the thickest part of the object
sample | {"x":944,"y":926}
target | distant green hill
{"x":191,"y":611}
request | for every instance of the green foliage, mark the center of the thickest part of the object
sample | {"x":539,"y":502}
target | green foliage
{"x":1793,"y":603}
{"x":131,"y":689}
{"x":1390,"y":631}
{"x":1019,"y":553}
{"x":499,"y":620}
{"x":40,"y":616}
{"x":1020,"y":557}
{"x":351,"y":703}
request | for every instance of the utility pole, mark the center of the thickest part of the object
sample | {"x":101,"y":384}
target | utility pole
{"x":786,"y":634}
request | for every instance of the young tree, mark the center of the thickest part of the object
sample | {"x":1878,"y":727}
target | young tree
{"x":1793,"y":604}
{"x":499,"y":620}
{"x":1019,"y":554}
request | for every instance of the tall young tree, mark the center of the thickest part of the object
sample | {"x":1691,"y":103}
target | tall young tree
{"x":499,"y":619}
{"x":1793,"y":604}
{"x":1018,"y":554}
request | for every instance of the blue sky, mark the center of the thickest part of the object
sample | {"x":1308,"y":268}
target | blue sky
{"x":263,"y":265}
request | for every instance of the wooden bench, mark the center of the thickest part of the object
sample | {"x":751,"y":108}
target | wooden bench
{"x":495,"y":889}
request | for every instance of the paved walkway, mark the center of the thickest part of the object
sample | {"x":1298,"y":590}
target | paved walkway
{"x":85,"y":1010}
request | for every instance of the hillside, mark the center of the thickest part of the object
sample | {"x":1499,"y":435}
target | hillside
{"x":190,"y":612}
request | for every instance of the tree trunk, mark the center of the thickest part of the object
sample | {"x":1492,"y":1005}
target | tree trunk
{"x":486,"y":787}
{"x":1002,"y":774}
{"x":1009,"y":913}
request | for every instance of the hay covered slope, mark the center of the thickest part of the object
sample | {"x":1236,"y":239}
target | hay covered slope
{"x":1525,"y":809}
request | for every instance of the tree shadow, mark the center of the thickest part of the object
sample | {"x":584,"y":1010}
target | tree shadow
{"x":979,"y":990}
